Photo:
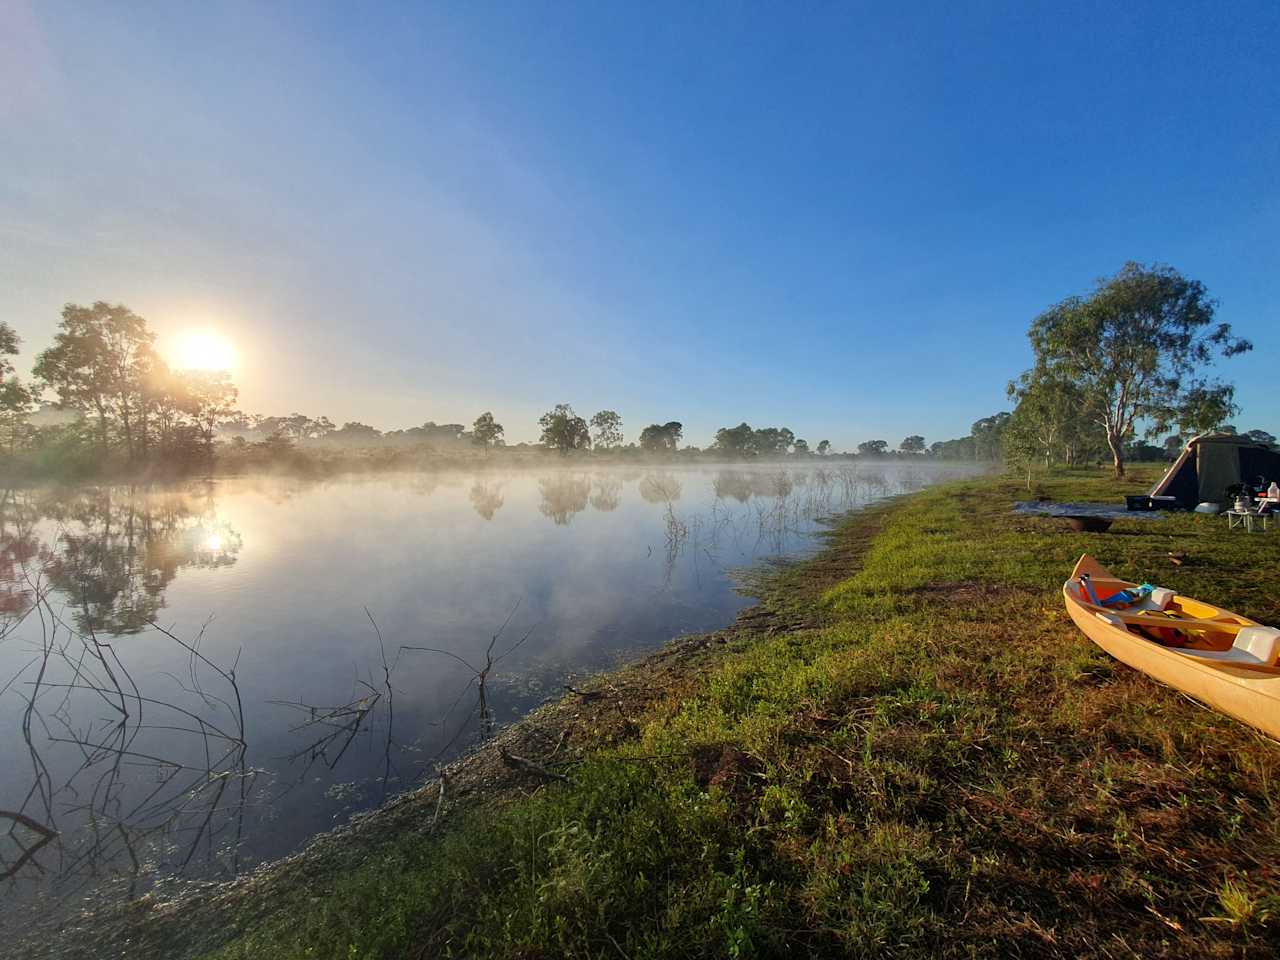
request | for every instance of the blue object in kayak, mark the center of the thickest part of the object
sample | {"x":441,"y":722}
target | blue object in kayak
{"x":1127,"y":598}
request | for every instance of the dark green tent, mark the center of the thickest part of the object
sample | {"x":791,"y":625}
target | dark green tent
{"x":1211,"y":463}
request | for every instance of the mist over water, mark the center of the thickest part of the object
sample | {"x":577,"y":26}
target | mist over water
{"x":191,"y":679}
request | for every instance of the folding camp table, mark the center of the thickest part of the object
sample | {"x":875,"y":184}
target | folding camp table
{"x":1246,"y":519}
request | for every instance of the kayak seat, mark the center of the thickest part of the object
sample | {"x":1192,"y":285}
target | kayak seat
{"x":1256,"y":646}
{"x":1159,"y":599}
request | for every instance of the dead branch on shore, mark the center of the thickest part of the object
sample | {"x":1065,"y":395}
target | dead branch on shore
{"x":585,"y":695}
{"x":444,"y":781}
{"x":529,"y":766}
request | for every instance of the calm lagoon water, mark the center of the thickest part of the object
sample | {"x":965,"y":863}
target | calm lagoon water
{"x":191,"y":681}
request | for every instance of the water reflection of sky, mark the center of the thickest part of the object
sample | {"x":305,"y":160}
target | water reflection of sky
{"x":274,"y":576}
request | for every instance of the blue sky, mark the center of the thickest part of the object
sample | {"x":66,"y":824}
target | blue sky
{"x":837,"y":218}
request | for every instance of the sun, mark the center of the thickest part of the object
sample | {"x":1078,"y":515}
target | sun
{"x":205,"y":350}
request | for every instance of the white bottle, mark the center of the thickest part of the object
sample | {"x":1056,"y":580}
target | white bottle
{"x":1273,"y":491}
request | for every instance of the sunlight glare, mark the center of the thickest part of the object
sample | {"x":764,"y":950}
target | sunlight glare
{"x":205,"y":351}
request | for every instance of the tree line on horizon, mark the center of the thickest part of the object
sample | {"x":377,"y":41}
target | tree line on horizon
{"x":1112,"y":371}
{"x":116,"y":400}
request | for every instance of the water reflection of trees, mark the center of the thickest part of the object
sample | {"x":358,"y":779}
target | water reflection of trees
{"x":660,"y":488}
{"x":607,"y":493}
{"x":487,"y":498}
{"x":124,"y":783}
{"x":742,"y":485}
{"x":18,"y":548}
{"x":563,"y":496}
{"x":114,"y":551}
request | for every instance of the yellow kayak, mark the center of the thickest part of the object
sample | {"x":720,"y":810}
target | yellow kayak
{"x":1222,"y":659}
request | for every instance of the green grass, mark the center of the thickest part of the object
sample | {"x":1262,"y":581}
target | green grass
{"x":929,"y":761}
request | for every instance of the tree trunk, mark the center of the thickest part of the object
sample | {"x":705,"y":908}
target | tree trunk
{"x":128,"y":432}
{"x":1117,"y":453}
{"x":102,"y":427}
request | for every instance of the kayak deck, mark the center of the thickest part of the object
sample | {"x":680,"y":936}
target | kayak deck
{"x":1218,"y":657}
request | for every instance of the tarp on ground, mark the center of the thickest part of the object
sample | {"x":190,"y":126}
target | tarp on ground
{"x":1211,"y":463}
{"x":1100,"y":511}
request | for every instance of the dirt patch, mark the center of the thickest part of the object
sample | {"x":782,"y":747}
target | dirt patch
{"x":726,"y":768}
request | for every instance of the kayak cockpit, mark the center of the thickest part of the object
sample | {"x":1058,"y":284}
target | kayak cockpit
{"x":1253,"y":646}
{"x":1191,"y":628}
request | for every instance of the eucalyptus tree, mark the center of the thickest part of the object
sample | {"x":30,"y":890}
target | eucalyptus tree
{"x":353,"y":431}
{"x":9,"y":343}
{"x":1056,"y":411}
{"x":913,"y":444}
{"x":1205,"y":407}
{"x":486,"y":430}
{"x":662,"y":437}
{"x":212,"y":399}
{"x":564,"y":430}
{"x":1021,"y":442}
{"x":98,"y":364}
{"x":774,"y":441}
{"x":824,"y":446}
{"x":986,"y":435}
{"x":1136,"y":347}
{"x":606,"y":429}
{"x":168,"y":399}
{"x":873,"y":448}
{"x":16,"y":399}
{"x":740,"y":440}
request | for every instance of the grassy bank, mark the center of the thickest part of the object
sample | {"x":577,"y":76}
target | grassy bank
{"x":906,"y":750}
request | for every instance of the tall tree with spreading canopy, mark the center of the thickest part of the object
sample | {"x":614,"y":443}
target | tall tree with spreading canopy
{"x":1134,"y":347}
{"x":1205,"y":407}
{"x":353,"y":431}
{"x":823,"y":447}
{"x":16,"y":400}
{"x":98,"y":365}
{"x":986,"y":436}
{"x":873,"y":448}
{"x":167,"y":398}
{"x":736,"y":440}
{"x":912,"y":444}
{"x":773,"y":441}
{"x":662,"y":437}
{"x":9,"y":343}
{"x":606,"y":428}
{"x":486,"y":430}
{"x":212,"y":398}
{"x":564,"y":430}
